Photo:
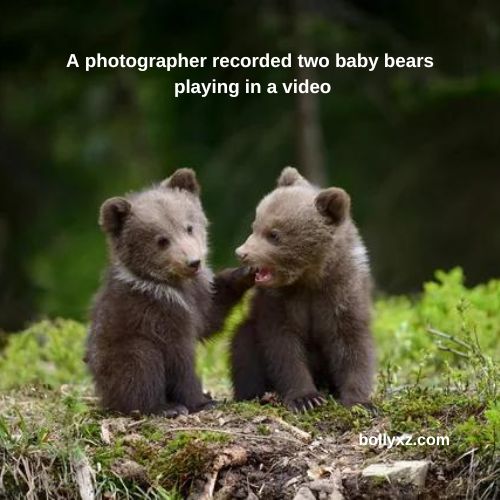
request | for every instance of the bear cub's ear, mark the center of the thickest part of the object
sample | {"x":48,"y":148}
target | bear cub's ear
{"x":185,"y":179}
{"x":334,"y":204}
{"x":290,"y":177}
{"x":113,"y":214}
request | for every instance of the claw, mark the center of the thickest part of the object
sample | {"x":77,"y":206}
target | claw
{"x":306,"y":403}
{"x":299,"y":404}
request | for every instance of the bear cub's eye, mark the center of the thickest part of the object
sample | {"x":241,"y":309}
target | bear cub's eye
{"x":273,"y":236}
{"x":162,"y":242}
{"x":189,"y":229}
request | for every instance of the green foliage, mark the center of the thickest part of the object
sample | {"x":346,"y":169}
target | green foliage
{"x":213,"y":355}
{"x":48,"y":353}
{"x":449,"y":329}
{"x":479,"y":432}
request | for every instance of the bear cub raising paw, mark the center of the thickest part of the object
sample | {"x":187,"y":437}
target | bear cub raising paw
{"x":157,"y":299}
{"x":309,"y":324}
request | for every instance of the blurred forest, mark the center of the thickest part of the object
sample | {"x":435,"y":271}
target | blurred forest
{"x":417,"y":149}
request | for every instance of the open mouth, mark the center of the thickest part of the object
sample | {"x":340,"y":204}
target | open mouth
{"x":263,"y":275}
{"x":190,"y":272}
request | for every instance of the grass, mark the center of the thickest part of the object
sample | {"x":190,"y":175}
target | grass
{"x":438,"y":375}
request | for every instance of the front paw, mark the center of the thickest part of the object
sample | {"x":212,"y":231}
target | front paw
{"x":174,"y":410}
{"x":207,"y":403}
{"x":303,"y":404}
{"x":243,"y":277}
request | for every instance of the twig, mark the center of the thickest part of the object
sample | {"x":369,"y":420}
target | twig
{"x":28,"y":477}
{"x":399,"y":388}
{"x":488,"y":478}
{"x":229,"y":457}
{"x":447,"y":336}
{"x":105,"y":434}
{"x":305,"y":436}
{"x":454,"y":351}
{"x":208,"y":491}
{"x":136,"y":423}
{"x":471,"y":476}
{"x":465,"y":454}
{"x":487,"y":490}
{"x":84,"y":476}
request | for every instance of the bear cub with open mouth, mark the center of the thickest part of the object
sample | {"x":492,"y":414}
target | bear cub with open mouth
{"x":157,"y":299}
{"x":309,"y":324}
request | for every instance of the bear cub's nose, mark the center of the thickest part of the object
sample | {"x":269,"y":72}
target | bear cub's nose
{"x":194,"y":263}
{"x":241,"y":254}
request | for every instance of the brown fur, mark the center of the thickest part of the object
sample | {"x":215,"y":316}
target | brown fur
{"x":309,"y":323}
{"x":157,"y":299}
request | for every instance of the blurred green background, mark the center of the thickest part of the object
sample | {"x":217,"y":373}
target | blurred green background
{"x":417,"y":149}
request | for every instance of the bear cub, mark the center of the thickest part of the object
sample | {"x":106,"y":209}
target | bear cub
{"x":157,"y":299}
{"x":309,"y":324}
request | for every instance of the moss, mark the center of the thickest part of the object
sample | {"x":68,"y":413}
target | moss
{"x":150,"y":430}
{"x":175,"y":464}
{"x":423,"y":408}
{"x":245,"y":408}
{"x":105,"y":456}
{"x":481,"y":432}
{"x":90,"y":430}
{"x":179,"y":469}
{"x":378,"y":481}
{"x":332,"y":417}
{"x":263,"y":429}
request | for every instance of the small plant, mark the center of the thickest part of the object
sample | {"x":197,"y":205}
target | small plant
{"x":406,"y":329}
{"x":49,"y":353}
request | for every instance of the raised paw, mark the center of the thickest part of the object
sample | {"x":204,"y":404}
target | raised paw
{"x":305,"y":403}
{"x":244,"y":277}
{"x":174,"y":410}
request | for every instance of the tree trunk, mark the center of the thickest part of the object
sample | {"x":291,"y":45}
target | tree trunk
{"x":308,"y":132}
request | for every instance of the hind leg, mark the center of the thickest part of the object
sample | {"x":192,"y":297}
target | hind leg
{"x":132,"y":379}
{"x":352,"y":362}
{"x":183,"y":385}
{"x":247,"y":369}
